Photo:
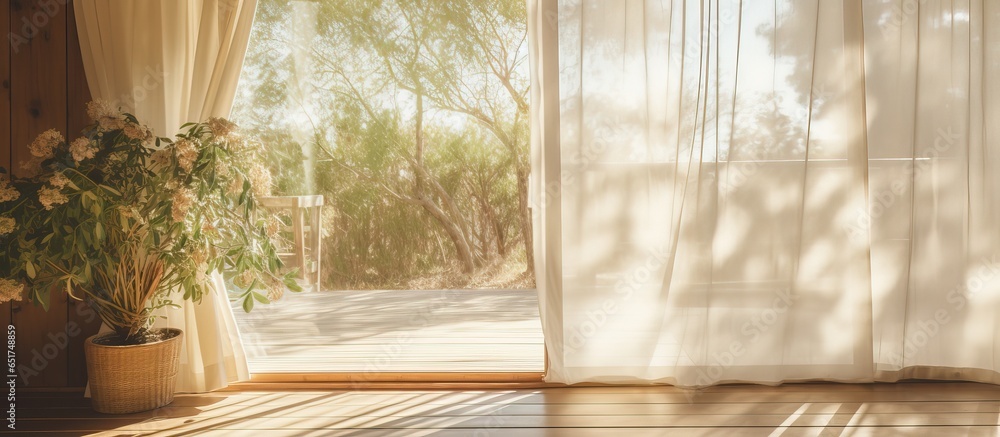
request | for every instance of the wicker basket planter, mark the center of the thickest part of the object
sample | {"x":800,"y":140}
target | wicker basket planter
{"x":128,"y":379}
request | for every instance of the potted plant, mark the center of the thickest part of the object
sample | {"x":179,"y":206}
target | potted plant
{"x":128,"y":222}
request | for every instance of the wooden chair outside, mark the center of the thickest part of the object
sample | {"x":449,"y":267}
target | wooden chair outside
{"x":306,"y":233}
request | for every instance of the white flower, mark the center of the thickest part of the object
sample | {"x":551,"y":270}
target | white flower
{"x":273,"y":226}
{"x":221,"y":127}
{"x":7,"y":225}
{"x":238,"y":143}
{"x":100,"y":109}
{"x":222,"y":169}
{"x":45,"y":144}
{"x":136,"y":131}
{"x":244,"y":279}
{"x":275,"y":290}
{"x":58,"y":180}
{"x":187,"y":153}
{"x":7,"y":192}
{"x":50,"y":197}
{"x":82,"y":148}
{"x":182,"y":201}
{"x":260,"y":180}
{"x":235,"y":186}
{"x":112,"y":123}
{"x":10,"y":290}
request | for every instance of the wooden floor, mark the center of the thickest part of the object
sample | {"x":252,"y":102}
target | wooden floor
{"x":917,"y":409}
{"x":395,"y":331}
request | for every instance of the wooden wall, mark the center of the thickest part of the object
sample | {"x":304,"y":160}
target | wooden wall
{"x":44,"y":87}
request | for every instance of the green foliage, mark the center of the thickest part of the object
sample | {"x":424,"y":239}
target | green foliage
{"x":121,"y":218}
{"x":396,"y":174}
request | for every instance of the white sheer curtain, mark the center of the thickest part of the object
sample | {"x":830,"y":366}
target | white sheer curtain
{"x":171,"y":62}
{"x":766,"y":190}
{"x":933,"y":73}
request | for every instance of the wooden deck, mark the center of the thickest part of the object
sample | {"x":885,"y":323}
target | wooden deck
{"x":395,"y":331}
{"x":906,"y":409}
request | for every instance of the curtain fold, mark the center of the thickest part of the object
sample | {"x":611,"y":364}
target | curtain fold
{"x":766,"y":191}
{"x":545,"y":184}
{"x":171,"y":62}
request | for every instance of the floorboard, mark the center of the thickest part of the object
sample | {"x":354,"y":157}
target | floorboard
{"x":819,"y":409}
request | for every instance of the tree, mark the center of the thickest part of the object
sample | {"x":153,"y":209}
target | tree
{"x":421,"y":101}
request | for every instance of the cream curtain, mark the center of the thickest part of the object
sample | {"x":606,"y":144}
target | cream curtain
{"x":766,"y":190}
{"x":933,"y":71}
{"x":171,"y":62}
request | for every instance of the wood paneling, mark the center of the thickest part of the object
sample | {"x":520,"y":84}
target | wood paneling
{"x":924,"y":409}
{"x":41,"y":65}
{"x":38,"y":103}
{"x":5,"y":87}
{"x":38,"y":74}
{"x":5,"y":118}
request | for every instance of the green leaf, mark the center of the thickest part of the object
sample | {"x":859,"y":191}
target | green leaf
{"x":42,"y":297}
{"x":30,"y":268}
{"x":260,"y":297}
{"x":116,"y":192}
{"x":247,"y":304}
{"x":292,"y":284}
